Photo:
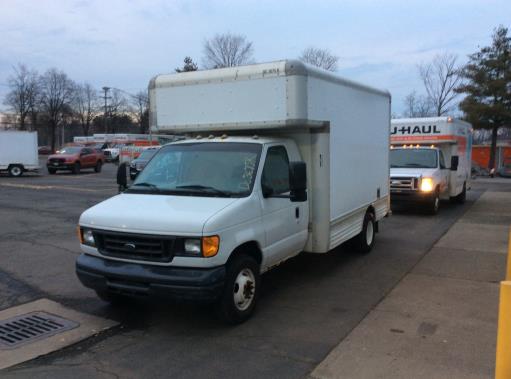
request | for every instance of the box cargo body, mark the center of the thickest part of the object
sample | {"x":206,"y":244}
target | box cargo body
{"x":340,"y":127}
{"x":18,"y":152}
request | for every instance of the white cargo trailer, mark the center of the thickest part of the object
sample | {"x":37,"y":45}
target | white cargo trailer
{"x":234,"y":197}
{"x":18,"y":152}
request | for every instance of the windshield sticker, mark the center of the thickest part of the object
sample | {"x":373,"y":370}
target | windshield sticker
{"x":248,"y":172}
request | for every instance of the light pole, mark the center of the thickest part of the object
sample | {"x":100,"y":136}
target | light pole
{"x":106,"y":89}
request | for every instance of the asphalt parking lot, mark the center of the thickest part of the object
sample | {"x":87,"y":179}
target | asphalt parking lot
{"x":308,"y":305}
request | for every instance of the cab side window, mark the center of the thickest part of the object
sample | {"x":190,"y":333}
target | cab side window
{"x":85,"y":152}
{"x":275,"y":178}
{"x":442,"y":160}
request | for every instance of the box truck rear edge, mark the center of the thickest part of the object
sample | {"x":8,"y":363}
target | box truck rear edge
{"x":18,"y":152}
{"x":280,"y":158}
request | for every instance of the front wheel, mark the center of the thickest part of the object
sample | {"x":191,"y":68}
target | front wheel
{"x":15,"y":170}
{"x":241,"y":290}
{"x":433,"y":204}
{"x":51,"y":171}
{"x":76,"y":168}
{"x":364,"y":241}
{"x":98,"y":167}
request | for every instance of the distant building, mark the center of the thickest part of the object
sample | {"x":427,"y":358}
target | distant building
{"x":7,"y":121}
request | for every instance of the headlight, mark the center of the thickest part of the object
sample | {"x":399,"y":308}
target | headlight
{"x":192,"y":246}
{"x":87,"y":237}
{"x":426,"y":185}
{"x":205,"y":246}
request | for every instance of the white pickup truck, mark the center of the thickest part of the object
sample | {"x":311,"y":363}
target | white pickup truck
{"x":277,"y":161}
{"x":430,"y":160}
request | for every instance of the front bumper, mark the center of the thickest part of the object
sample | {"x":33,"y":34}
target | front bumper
{"x":60,"y":166}
{"x":410,"y":196}
{"x":134,"y":279}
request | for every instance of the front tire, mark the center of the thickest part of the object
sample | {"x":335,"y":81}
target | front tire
{"x":98,"y":166}
{"x":15,"y":170}
{"x":241,"y":290}
{"x":76,"y":168}
{"x":433,"y":204}
{"x":364,"y":241}
{"x":51,"y":171}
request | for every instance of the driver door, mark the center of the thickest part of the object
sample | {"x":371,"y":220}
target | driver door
{"x":280,"y":216}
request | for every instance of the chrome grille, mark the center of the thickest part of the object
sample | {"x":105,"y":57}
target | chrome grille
{"x":403,"y":183}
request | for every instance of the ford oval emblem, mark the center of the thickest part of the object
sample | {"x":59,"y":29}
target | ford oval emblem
{"x":130,"y":246}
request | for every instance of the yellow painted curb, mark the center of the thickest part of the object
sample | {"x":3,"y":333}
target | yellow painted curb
{"x":503,"y":361}
{"x":508,"y":271}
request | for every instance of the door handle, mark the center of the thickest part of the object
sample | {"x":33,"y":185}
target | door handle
{"x":297,"y":212}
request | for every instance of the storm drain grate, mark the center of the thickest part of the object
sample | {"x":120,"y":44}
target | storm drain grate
{"x":24,"y":329}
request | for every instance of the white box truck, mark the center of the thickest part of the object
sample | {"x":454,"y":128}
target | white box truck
{"x":280,"y":158}
{"x":18,"y":152}
{"x":430,"y":160}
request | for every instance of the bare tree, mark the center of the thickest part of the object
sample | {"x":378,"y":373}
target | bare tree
{"x":118,"y":106}
{"x":227,"y":50}
{"x":141,"y":103}
{"x":85,"y":105}
{"x":321,"y":58}
{"x":23,"y":94}
{"x":417,"y":105}
{"x":56,"y":95}
{"x":441,"y":77}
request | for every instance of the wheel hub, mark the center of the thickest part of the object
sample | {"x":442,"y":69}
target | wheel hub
{"x":244,"y":289}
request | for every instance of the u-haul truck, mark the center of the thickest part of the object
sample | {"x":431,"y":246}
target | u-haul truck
{"x":430,"y":160}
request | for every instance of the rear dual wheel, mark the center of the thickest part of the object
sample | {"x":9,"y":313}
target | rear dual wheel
{"x":364,"y":241}
{"x":15,"y":170}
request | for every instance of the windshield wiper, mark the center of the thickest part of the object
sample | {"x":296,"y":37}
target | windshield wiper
{"x":149,"y":185}
{"x":201,"y":188}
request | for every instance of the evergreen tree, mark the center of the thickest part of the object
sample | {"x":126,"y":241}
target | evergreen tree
{"x":488,"y":87}
{"x":189,"y":65}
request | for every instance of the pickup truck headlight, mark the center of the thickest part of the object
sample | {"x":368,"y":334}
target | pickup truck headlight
{"x":86,"y":237}
{"x":427,"y":184}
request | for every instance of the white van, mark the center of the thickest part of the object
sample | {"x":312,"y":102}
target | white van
{"x":18,"y":152}
{"x":276,"y":162}
{"x":430,"y":160}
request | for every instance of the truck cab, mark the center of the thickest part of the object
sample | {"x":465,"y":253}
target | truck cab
{"x":429,"y":161}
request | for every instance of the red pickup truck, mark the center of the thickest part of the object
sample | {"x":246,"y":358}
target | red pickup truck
{"x":74,"y":158}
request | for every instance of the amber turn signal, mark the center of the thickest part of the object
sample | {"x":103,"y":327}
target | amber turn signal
{"x":79,"y":232}
{"x":210,"y":246}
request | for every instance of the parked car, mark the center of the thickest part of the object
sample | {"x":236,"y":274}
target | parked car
{"x":139,"y":163}
{"x":74,"y":158}
{"x":44,"y":150}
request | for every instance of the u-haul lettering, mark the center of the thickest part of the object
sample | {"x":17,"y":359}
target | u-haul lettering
{"x":415,"y":130}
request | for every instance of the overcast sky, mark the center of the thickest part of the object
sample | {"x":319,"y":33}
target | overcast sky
{"x":124,"y":43}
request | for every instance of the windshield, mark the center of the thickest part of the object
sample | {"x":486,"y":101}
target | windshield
{"x":225,"y":169}
{"x":147,"y":154}
{"x":70,"y":150}
{"x":408,"y":158}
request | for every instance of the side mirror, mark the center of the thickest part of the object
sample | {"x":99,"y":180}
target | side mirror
{"x":298,"y":181}
{"x":454,"y":162}
{"x":122,"y":177}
